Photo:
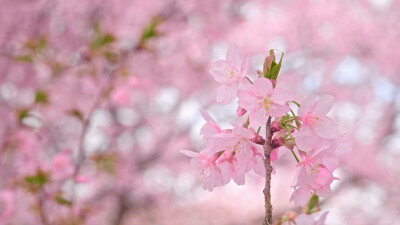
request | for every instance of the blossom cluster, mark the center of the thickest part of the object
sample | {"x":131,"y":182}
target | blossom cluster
{"x":310,"y":135}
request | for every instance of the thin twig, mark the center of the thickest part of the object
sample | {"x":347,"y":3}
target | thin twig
{"x":268,"y":171}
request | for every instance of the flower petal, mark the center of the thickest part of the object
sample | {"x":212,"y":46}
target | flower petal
{"x":324,"y":104}
{"x":262,"y":86}
{"x":247,"y":99}
{"x":233,"y":55}
{"x":225,"y":94}
{"x":307,"y":105}
{"x":224,"y":72}
{"x":326,"y":128}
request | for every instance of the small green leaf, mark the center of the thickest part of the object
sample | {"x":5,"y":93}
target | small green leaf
{"x":150,"y":31}
{"x":62,"y":201}
{"x":102,"y":40}
{"x":275,"y":68}
{"x":106,"y":162}
{"x":42,"y":42}
{"x":22,"y":114}
{"x":41,"y":97}
{"x":312,"y":203}
{"x":78,"y":114}
{"x":111,"y":57}
{"x":39,"y":179}
{"x":24,"y":58}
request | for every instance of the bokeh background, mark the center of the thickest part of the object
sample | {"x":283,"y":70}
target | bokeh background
{"x":98,"y":97}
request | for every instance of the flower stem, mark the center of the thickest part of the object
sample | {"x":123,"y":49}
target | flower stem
{"x":268,"y":171}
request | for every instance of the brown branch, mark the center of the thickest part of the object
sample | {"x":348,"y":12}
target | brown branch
{"x":268,"y":172}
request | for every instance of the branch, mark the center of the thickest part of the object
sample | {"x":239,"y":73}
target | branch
{"x":268,"y":171}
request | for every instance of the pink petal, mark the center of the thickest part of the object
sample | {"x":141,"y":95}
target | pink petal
{"x":244,"y":84}
{"x":307,"y":105}
{"x":322,"y":218}
{"x":258,"y":166}
{"x":233,"y":55}
{"x":301,"y":195}
{"x":189,"y":153}
{"x":225,"y":94}
{"x":306,"y":140}
{"x":258,"y":118}
{"x":281,"y":96}
{"x":245,"y":64}
{"x":327,"y":128}
{"x":206,"y":116}
{"x":324,"y":104}
{"x":304,"y":219}
{"x":262,"y":86}
{"x":243,"y":132}
{"x":247,"y":99}
{"x":280,"y":110}
{"x":223,"y":71}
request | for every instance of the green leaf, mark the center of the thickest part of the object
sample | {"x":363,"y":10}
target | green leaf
{"x":42,"y":42}
{"x":275,"y":68}
{"x":106,"y":162}
{"x":312,"y":203}
{"x":62,"y":201}
{"x":22,"y":114}
{"x":150,"y":31}
{"x":111,"y":57}
{"x":78,"y":114}
{"x":39,"y":179}
{"x":102,"y":40}
{"x":41,"y":97}
{"x":23,"y":58}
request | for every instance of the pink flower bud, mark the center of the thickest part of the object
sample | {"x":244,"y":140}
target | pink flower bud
{"x":276,"y":126}
{"x":258,"y":139}
{"x":276,"y":143}
{"x":240,"y":111}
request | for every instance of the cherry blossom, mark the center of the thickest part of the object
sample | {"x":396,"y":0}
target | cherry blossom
{"x":262,"y":101}
{"x":229,"y":73}
{"x":313,"y":112}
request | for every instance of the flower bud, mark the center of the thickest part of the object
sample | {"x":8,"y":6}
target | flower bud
{"x":240,"y":111}
{"x":276,"y":143}
{"x":260,"y":73}
{"x":276,"y":126}
{"x":290,"y":215}
{"x":258,"y":139}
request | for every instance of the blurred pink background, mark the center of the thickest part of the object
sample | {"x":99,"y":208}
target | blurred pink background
{"x":111,"y":91}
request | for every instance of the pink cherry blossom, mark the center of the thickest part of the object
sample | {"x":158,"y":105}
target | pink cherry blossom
{"x":313,"y":112}
{"x":210,"y":127}
{"x":229,"y":73}
{"x":304,"y":219}
{"x":238,"y":142}
{"x":209,"y":172}
{"x":262,"y":101}
{"x":314,"y":175}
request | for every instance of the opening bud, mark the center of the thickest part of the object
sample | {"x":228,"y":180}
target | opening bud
{"x":276,"y":143}
{"x":240,"y":111}
{"x":276,"y":126}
